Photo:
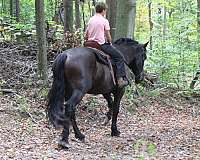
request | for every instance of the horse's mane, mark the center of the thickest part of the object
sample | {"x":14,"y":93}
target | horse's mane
{"x":127,"y":41}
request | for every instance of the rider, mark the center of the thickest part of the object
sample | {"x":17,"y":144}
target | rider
{"x":98,"y":30}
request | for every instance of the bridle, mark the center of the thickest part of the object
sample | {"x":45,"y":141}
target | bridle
{"x":139,"y":75}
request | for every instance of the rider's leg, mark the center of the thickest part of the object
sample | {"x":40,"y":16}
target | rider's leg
{"x":119,"y":61}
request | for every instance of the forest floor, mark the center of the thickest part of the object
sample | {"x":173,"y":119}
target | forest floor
{"x":161,"y":124}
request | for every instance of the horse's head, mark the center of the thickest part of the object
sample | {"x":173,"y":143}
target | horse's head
{"x":137,"y":63}
{"x":135,"y":55}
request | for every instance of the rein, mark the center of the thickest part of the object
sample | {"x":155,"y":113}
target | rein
{"x":139,"y":74}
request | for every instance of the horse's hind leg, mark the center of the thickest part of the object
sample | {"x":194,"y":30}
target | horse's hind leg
{"x":117,"y":98}
{"x":64,"y":143}
{"x":70,"y":105}
{"x":77,"y":132}
{"x":109,"y":99}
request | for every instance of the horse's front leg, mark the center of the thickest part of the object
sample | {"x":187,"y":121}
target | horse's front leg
{"x":77,"y":132}
{"x":117,"y":98}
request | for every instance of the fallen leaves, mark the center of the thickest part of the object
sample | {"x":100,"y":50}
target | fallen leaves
{"x":161,"y":126}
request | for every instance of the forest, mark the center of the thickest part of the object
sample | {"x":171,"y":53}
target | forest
{"x":158,"y":118}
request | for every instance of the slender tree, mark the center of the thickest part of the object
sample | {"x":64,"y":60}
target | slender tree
{"x":68,"y":15}
{"x":77,"y":14}
{"x":198,"y":20}
{"x":83,"y":15}
{"x":164,"y":22}
{"x":150,"y":23}
{"x":56,"y":12}
{"x":17,"y":10}
{"x":198,"y":41}
{"x":111,"y":15}
{"x":125,"y":18}
{"x":41,"y":38}
{"x":3,"y":8}
{"x":89,"y":7}
{"x":11,"y":8}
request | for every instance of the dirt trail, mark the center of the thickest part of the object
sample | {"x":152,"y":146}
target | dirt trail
{"x":156,"y":129}
{"x":158,"y":125}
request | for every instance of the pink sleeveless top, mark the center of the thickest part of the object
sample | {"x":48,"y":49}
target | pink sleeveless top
{"x":96,"y":28}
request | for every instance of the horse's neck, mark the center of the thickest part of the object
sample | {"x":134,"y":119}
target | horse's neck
{"x":124,"y":53}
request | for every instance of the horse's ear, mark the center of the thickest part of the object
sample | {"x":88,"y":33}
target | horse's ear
{"x":145,"y":45}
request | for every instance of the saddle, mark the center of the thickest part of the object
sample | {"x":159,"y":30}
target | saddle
{"x":101,"y":56}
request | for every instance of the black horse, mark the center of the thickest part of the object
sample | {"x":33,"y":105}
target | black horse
{"x":76,"y":72}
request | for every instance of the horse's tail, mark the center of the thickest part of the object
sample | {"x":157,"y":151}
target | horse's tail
{"x":57,"y":92}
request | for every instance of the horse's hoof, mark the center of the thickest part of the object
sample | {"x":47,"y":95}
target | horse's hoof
{"x":63,"y":145}
{"x":115,"y":133}
{"x":80,"y":137}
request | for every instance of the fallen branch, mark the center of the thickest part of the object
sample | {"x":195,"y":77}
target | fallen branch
{"x":195,"y":79}
{"x":30,"y":115}
{"x":7,"y":91}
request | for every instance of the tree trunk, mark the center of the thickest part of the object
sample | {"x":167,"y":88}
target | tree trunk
{"x":77,"y":14}
{"x":56,"y":14}
{"x":198,"y":42}
{"x":90,"y":10}
{"x":11,"y":8}
{"x":41,"y":38}
{"x":51,"y":6}
{"x":125,"y":18}
{"x":111,"y":15}
{"x":17,"y":12}
{"x":150,"y":24}
{"x":68,"y":15}
{"x":198,"y":20}
{"x":3,"y":8}
{"x":83,"y":16}
{"x":164,"y":23}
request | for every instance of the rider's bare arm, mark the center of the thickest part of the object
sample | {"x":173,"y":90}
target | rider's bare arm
{"x":108,"y":36}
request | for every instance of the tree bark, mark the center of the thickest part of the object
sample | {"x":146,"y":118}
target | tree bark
{"x":17,"y":12}
{"x":83,"y":16}
{"x":198,"y":19}
{"x":56,"y":13}
{"x":125,"y":18}
{"x":3,"y":8}
{"x":164,"y":23}
{"x":90,"y":10}
{"x":150,"y":24}
{"x":111,"y":15}
{"x":11,"y":8}
{"x":77,"y":14}
{"x":41,"y":39}
{"x":68,"y":15}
